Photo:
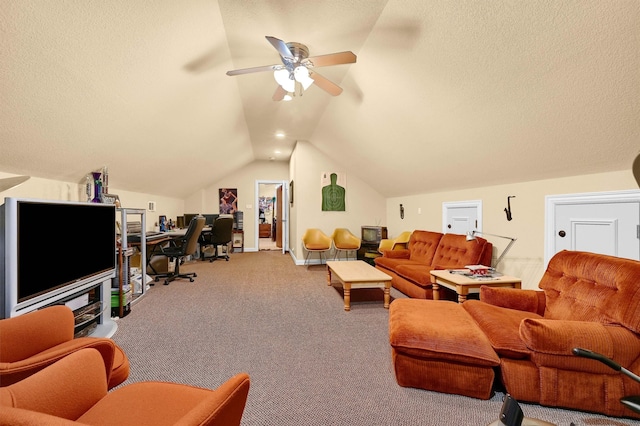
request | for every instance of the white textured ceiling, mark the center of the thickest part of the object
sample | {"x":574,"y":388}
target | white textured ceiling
{"x":445,"y":94}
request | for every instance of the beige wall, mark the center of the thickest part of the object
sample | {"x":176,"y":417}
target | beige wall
{"x":47,"y":189}
{"x":364,"y":206}
{"x":526,"y":257}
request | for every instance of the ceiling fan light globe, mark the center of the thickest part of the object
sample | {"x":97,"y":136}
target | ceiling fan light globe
{"x":287,"y":97}
{"x":301,"y":74}
{"x":281,"y":76}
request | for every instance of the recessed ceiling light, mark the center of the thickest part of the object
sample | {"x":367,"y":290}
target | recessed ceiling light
{"x":280,"y":135}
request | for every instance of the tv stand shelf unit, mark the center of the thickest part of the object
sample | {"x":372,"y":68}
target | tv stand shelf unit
{"x":83,"y":261}
{"x":123,"y":276}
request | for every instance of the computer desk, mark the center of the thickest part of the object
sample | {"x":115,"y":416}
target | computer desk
{"x":155,"y":242}
{"x":152,"y":245}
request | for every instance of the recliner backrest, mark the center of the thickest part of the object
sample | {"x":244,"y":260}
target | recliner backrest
{"x":583,"y":286}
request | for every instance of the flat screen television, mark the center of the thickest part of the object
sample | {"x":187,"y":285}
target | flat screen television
{"x":372,"y":235}
{"x":50,"y":247}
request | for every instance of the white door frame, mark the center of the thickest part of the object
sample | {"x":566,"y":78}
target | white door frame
{"x":285,"y":212}
{"x":551,"y":201}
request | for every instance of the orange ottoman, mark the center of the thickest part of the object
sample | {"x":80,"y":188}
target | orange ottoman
{"x":437,"y":346}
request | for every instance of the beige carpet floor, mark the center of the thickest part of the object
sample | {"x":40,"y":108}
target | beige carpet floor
{"x":310,"y":362}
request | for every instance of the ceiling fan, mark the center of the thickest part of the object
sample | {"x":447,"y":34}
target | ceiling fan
{"x":296,"y":74}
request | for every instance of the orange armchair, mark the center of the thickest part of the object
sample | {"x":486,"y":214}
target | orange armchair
{"x":344,"y":240}
{"x":74,"y":391}
{"x":32,"y":341}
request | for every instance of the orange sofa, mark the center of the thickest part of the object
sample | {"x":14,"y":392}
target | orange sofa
{"x":410,"y":268}
{"x":73,"y":390}
{"x":587,"y":300}
{"x":30,"y":342}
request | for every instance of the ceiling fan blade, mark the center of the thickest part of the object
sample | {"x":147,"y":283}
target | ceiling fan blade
{"x":325,"y":84}
{"x":332,"y":59}
{"x":254,"y":69}
{"x":281,"y":47}
{"x":278,"y":95}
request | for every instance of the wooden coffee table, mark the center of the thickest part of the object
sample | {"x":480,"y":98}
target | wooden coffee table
{"x":358,"y":274}
{"x":463,"y":285}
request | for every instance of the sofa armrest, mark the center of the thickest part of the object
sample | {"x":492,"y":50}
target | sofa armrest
{"x":34,"y":332}
{"x":512,"y":298}
{"x":552,"y":341}
{"x":12,"y":372}
{"x":65,"y":389}
{"x":397,"y":254}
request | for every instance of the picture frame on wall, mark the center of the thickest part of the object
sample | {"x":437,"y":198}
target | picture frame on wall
{"x":291,"y":193}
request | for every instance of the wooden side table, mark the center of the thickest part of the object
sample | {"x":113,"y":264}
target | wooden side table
{"x":464,"y":285}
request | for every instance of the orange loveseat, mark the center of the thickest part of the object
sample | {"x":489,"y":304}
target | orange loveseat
{"x":587,"y":300}
{"x":410,"y":268}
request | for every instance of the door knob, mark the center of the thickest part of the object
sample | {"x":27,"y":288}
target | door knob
{"x":562,"y":234}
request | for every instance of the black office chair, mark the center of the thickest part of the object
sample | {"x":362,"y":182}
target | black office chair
{"x":181,"y":247}
{"x":220,"y":235}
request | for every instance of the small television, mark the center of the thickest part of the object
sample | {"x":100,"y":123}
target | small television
{"x":52,"y":247}
{"x":371,"y":235}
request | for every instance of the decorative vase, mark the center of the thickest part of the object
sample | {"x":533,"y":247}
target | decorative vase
{"x":97,"y":187}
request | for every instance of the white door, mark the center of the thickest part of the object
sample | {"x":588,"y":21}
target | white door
{"x":607,"y":223}
{"x":461,"y":217}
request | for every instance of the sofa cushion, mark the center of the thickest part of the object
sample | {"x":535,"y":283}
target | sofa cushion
{"x":501,"y":326}
{"x":423,"y":245}
{"x":417,"y":273}
{"x":583,"y":286}
{"x":393,"y":263}
{"x":454,"y":251}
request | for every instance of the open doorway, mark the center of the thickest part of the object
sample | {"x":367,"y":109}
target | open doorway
{"x":278,"y":192}
{"x":267,"y":216}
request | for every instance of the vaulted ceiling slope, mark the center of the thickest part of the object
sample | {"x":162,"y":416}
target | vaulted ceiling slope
{"x":444,"y":94}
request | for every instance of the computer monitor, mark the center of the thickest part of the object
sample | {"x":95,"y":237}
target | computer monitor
{"x":209,"y":219}
{"x":188,"y":217}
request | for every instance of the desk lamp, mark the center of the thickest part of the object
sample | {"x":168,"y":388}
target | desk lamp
{"x":472,"y":236}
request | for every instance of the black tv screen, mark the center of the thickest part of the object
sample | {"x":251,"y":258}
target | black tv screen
{"x":61,"y":243}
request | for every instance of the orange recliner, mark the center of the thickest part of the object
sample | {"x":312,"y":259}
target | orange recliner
{"x":32,"y":341}
{"x":74,"y":389}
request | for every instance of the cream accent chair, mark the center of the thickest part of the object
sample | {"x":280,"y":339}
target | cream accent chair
{"x":74,"y":391}
{"x":398,"y":243}
{"x":345,"y":241}
{"x":315,"y":241}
